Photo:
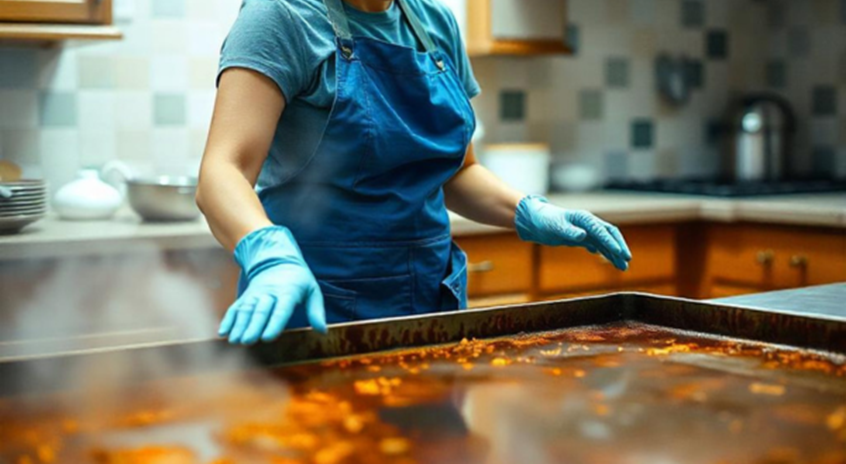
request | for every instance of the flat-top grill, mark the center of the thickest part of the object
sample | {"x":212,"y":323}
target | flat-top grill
{"x":626,"y":378}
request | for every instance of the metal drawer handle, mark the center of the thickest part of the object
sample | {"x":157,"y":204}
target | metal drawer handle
{"x":798,"y":261}
{"x":765,"y":258}
{"x":484,"y":266}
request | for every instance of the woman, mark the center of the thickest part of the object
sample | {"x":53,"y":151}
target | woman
{"x":352,"y":120}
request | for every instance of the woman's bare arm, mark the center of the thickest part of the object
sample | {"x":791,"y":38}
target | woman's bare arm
{"x":246,"y":112}
{"x":479,"y":195}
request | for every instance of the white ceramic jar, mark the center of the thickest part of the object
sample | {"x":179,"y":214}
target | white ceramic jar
{"x":87,"y":198}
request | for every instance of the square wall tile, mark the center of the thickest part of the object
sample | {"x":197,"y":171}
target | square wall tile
{"x":777,"y":74}
{"x":169,"y":73}
{"x":642,"y":165}
{"x":824,"y":101}
{"x":202,"y":73}
{"x":616,"y":165}
{"x":591,"y":105}
{"x":168,"y":8}
{"x":642,"y":134}
{"x":57,"y":109}
{"x":573,"y":38}
{"x":693,"y":13}
{"x":643,"y":12}
{"x":200,"y":106}
{"x":96,"y":147}
{"x":169,"y":109}
{"x":617,"y":72}
{"x":695,"y":73}
{"x":18,"y":68}
{"x":59,"y":155}
{"x":823,"y":161}
{"x":20,"y":146}
{"x":20,"y":109}
{"x":512,"y":105}
{"x":96,"y":110}
{"x":132,"y":72}
{"x":133,"y":144}
{"x":717,"y":44}
{"x":667,"y":163}
{"x":96,"y":72}
{"x":799,"y":42}
{"x":134,"y":110}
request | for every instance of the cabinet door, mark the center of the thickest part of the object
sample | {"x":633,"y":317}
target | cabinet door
{"x":498,"y":264}
{"x":514,"y":27}
{"x":775,"y":257}
{"x":57,"y":11}
{"x":574,"y":270}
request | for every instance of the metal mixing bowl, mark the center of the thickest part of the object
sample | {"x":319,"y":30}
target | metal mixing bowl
{"x":163,"y":198}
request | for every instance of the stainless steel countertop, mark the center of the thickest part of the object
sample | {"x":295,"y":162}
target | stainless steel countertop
{"x":823,"y":300}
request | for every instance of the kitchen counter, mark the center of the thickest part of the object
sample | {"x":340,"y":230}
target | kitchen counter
{"x":52,"y":237}
{"x":822,"y":300}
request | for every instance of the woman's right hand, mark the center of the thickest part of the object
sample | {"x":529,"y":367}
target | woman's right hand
{"x":278,"y":282}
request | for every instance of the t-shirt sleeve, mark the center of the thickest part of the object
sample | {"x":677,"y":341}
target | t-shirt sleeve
{"x":461,"y":60}
{"x":265,"y":38}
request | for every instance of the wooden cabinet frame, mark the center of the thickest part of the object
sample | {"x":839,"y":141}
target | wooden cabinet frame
{"x":56,"y":20}
{"x":481,"y":42}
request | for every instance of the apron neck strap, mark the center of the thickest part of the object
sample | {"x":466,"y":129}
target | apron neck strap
{"x":341,"y":25}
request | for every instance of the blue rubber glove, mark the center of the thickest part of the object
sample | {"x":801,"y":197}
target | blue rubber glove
{"x":278,"y":282}
{"x":541,"y":222}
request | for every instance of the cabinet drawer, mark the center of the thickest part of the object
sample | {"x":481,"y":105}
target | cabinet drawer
{"x":777,"y":257}
{"x":497,"y":264}
{"x":563,"y":269}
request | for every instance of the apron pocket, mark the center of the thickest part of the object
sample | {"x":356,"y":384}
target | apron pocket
{"x":340,"y":303}
{"x":454,"y":291}
{"x":374,"y":298}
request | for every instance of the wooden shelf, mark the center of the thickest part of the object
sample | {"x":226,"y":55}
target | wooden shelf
{"x":35,"y":32}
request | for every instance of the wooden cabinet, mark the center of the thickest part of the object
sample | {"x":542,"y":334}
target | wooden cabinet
{"x":512,"y":27}
{"x":53,"y":11}
{"x":497,"y":266}
{"x":52,"y":20}
{"x":744,"y":258}
{"x":574,"y":271}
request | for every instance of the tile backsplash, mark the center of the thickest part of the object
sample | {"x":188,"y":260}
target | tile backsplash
{"x":147,"y":99}
{"x":600,"y":106}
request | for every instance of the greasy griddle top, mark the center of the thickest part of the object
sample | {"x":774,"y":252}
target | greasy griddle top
{"x":617,"y":393}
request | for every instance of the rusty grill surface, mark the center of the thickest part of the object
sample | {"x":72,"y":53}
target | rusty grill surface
{"x":619,"y":379}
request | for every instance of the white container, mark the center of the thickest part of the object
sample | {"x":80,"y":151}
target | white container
{"x":87,"y":198}
{"x":523,"y":166}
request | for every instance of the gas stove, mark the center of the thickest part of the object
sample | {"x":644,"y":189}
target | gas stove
{"x":726,"y":189}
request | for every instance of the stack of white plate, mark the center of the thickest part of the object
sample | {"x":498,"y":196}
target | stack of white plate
{"x":21,"y":203}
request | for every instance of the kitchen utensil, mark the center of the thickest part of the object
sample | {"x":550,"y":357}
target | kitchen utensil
{"x":87,"y":198}
{"x":523,"y":166}
{"x":22,"y":202}
{"x":9,"y":171}
{"x":760,"y":138}
{"x":164,"y":198}
{"x":575,"y":178}
{"x":672,"y":75}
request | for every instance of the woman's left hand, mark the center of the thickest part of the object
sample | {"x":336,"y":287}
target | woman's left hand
{"x":539,"y":221}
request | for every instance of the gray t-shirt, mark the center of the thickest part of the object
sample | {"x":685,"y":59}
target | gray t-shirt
{"x":292,"y":43}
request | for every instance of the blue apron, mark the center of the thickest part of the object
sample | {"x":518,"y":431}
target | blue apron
{"x":368,"y":208}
